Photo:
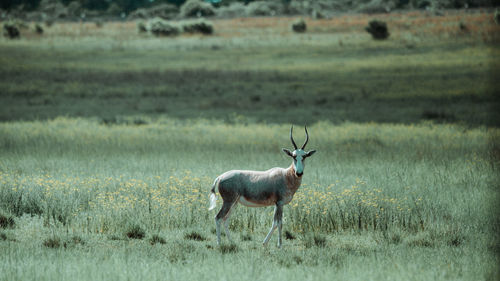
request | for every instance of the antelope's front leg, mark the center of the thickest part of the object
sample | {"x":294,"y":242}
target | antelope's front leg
{"x":278,"y":213}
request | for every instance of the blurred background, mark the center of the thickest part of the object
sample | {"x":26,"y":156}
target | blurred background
{"x":395,"y":61}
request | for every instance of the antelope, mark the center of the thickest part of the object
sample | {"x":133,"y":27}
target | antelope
{"x":275,"y":186}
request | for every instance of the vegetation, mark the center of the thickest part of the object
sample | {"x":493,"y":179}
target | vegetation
{"x":196,"y":8}
{"x":299,"y":26}
{"x":378,"y":30}
{"x":260,"y":71}
{"x":198,"y":26}
{"x":71,"y":10}
{"x":159,"y":27}
{"x":110,"y":142}
{"x":11,"y":30}
{"x":406,"y":195}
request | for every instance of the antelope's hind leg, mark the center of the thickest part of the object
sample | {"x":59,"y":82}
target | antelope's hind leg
{"x":226,"y":221}
{"x":222,"y":216}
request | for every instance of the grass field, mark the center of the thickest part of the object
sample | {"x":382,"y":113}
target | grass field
{"x":429,"y":69}
{"x":110,"y":142}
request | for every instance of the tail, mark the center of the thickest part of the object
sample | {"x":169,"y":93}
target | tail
{"x":213,"y":198}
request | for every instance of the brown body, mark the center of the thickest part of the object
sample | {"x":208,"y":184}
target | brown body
{"x":259,"y":189}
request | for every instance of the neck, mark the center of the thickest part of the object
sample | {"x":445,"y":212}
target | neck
{"x":293,"y":181}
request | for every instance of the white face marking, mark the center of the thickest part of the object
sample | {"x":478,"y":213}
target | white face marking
{"x":298,"y":161}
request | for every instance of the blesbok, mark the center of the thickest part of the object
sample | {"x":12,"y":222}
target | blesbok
{"x":275,"y":186}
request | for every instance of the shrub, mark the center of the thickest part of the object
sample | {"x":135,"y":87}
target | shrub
{"x":246,"y":237}
{"x":496,"y":16}
{"x":164,"y":11}
{"x":6,"y":221}
{"x":378,"y":30}
{"x":198,"y":26}
{"x":77,"y":240}
{"x":135,"y":232}
{"x":74,"y":8}
{"x":52,"y":242}
{"x":289,"y":235}
{"x":194,"y":236}
{"x":161,"y":27}
{"x":235,"y":9}
{"x":264,"y":8}
{"x":114,"y":10}
{"x":196,"y":8}
{"x":38,"y":28}
{"x":141,"y":27}
{"x":139,"y":14}
{"x":157,"y":239}
{"x":11,"y":30}
{"x":377,"y":6}
{"x":53,"y":8}
{"x":228,"y":248}
{"x":317,"y":9}
{"x":299,"y":26}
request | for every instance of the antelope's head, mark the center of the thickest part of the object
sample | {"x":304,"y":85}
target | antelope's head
{"x":298,"y":155}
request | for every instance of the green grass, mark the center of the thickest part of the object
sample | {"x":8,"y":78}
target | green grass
{"x":110,"y":142}
{"x":287,"y":78}
{"x":378,"y":201}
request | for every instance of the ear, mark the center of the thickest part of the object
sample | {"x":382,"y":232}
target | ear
{"x":310,"y":153}
{"x":287,"y":152}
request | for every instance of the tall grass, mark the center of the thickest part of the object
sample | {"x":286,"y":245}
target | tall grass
{"x":97,"y":177}
{"x":373,"y":193}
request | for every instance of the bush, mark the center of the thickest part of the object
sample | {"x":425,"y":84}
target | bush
{"x":377,"y":6}
{"x":378,"y":30}
{"x":196,"y":8}
{"x":53,"y":8}
{"x":52,"y":242}
{"x":135,"y":232}
{"x":246,"y":237}
{"x":264,"y":8}
{"x":194,"y":236}
{"x":38,"y":28}
{"x":157,"y":239}
{"x":160,"y":27}
{"x":11,"y":30}
{"x":6,"y":221}
{"x":164,"y":11}
{"x":235,"y":9}
{"x":114,"y":10}
{"x":228,"y":248}
{"x":289,"y":235}
{"x":139,"y":14}
{"x":198,"y":26}
{"x":141,"y":27}
{"x":299,"y":26}
{"x":74,"y":8}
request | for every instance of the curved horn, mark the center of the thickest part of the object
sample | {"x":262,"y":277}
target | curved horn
{"x":291,"y":138}
{"x":307,"y":138}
